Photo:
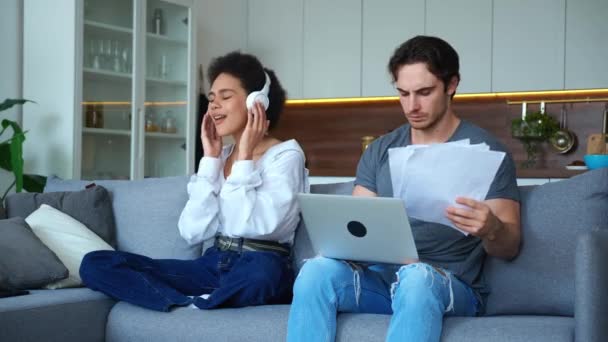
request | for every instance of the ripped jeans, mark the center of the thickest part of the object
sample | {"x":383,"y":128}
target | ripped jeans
{"x":417,"y":295}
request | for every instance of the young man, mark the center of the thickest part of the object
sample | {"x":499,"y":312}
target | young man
{"x":447,"y":279}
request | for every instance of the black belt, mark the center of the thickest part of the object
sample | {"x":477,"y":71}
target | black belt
{"x":225,"y":243}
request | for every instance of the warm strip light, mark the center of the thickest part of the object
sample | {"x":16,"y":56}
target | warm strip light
{"x":126,"y":103}
{"x":536,"y":96}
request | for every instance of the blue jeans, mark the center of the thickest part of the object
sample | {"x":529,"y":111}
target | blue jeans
{"x":417,"y":295}
{"x":231,"y":278}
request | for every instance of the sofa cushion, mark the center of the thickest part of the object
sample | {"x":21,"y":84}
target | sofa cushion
{"x":55,"y":315}
{"x":302,"y":248}
{"x":25,"y":261}
{"x":372,"y":327}
{"x":540,"y":280}
{"x":127,"y":322}
{"x":92,"y":207}
{"x":68,"y":238}
{"x":146,"y":213}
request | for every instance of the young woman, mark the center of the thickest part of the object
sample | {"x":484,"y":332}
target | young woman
{"x":243,"y":196}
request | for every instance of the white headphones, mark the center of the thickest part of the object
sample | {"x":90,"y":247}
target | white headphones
{"x":260,"y":96}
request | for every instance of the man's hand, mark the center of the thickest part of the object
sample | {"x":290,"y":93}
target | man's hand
{"x":212,"y":142}
{"x":257,"y":126}
{"x":476,"y":219}
{"x":495,"y":221}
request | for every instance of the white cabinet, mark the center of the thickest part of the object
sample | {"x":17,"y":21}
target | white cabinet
{"x":528,"y":45}
{"x":278,"y":42}
{"x":222,"y":28}
{"x":386,"y":24}
{"x":467,"y":26}
{"x":587,"y":44}
{"x":332,"y":48}
{"x":125,"y":105}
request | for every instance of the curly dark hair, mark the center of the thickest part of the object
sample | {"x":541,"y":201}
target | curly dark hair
{"x":440,"y":57}
{"x":248,"y":69}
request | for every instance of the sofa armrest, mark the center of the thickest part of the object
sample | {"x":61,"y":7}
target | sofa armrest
{"x":591,"y":287}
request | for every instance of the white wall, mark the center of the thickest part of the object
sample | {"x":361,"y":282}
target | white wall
{"x":49,"y":50}
{"x":11,"y":39}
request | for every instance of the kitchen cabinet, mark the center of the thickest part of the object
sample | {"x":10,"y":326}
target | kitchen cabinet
{"x":467,"y":26}
{"x":126,"y":105}
{"x":586,"y":44}
{"x":222,"y":28}
{"x":332,"y":48}
{"x":528,"y":45}
{"x":386,"y":24}
{"x":279,"y":42}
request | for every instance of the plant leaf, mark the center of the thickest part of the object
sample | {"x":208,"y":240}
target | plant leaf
{"x":17,"y":159}
{"x":5,"y":156}
{"x":34,"y":183}
{"x":8,"y":103}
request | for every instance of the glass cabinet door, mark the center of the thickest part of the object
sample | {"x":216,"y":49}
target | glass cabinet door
{"x":166,"y":88}
{"x":106,"y":89}
{"x":136,"y":81}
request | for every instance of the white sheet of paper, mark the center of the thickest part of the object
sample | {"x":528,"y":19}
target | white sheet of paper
{"x":430,"y":178}
{"x":398,"y":157}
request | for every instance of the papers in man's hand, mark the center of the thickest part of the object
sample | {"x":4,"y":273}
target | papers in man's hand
{"x":430,"y":177}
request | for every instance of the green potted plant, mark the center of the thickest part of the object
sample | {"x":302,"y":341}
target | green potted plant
{"x":531,"y":130}
{"x":11,"y":154}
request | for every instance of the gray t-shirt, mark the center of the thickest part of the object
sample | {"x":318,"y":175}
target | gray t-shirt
{"x":437,"y":244}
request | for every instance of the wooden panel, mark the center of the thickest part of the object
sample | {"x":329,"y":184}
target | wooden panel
{"x":331,"y":134}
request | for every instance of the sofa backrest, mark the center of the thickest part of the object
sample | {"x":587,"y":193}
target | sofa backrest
{"x":540,"y":280}
{"x":146,"y":214}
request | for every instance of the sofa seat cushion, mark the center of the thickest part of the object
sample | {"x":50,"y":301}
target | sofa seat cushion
{"x":146,"y":213}
{"x":540,"y":280}
{"x":371,"y":327}
{"x":127,"y":322}
{"x":55,"y":315}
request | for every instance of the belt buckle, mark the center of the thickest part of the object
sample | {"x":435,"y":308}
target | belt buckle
{"x":224,"y":245}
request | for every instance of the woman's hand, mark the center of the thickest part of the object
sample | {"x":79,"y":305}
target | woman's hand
{"x":256,"y":128}
{"x":212,"y":142}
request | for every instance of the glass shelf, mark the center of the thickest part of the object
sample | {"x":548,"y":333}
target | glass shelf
{"x":98,"y":27}
{"x":127,"y":133}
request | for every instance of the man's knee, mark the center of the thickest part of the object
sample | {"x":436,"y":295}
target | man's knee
{"x":419,"y":280}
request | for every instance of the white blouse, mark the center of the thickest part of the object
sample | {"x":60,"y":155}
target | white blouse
{"x":257,"y":200}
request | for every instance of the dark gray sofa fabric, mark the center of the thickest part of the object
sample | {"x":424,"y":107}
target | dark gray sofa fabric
{"x":55,"y":315}
{"x":92,"y":207}
{"x":540,"y":280}
{"x":146,"y":213}
{"x":371,"y":327}
{"x":25,"y":261}
{"x":591,"y":296}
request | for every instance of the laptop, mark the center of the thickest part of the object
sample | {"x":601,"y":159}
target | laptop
{"x":370,"y":229}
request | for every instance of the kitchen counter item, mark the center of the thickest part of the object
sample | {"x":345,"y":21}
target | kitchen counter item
{"x":596,"y":161}
{"x":598,"y":143}
{"x":563,"y":140}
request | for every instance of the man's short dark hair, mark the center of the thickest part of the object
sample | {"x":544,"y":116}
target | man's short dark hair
{"x":248,"y":69}
{"x":440,"y":57}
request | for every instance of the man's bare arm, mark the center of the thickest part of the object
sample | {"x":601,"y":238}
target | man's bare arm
{"x":362,"y":191}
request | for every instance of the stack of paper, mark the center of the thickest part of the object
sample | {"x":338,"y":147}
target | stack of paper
{"x":429,"y":178}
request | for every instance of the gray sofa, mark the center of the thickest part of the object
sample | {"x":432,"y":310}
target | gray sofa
{"x":555,"y":290}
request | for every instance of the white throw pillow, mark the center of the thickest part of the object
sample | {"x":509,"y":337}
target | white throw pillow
{"x":68,"y":238}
